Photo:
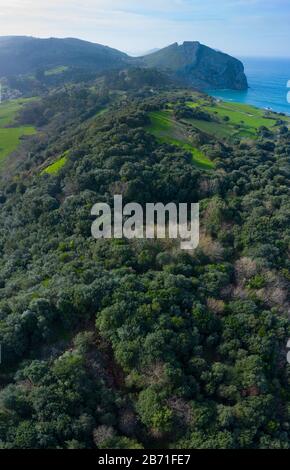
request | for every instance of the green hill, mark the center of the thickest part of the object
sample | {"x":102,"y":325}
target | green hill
{"x":190,"y":63}
{"x":135,"y":343}
{"x":26,"y":55}
{"x":199,"y":66}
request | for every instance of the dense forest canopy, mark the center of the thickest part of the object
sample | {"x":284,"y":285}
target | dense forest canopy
{"x":136,"y":343}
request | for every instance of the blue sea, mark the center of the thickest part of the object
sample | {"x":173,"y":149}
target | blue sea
{"x":267,"y":79}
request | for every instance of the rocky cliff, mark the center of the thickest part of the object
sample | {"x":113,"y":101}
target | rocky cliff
{"x":200,"y":66}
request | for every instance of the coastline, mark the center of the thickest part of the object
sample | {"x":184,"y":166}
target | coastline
{"x":229,"y":96}
{"x":268,"y":80}
{"x":226,"y":96}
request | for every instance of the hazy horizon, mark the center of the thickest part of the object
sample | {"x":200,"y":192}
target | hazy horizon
{"x":243,"y":28}
{"x":149,"y":51}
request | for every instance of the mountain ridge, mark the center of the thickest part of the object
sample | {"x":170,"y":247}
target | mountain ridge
{"x":200,"y":65}
{"x":51,"y":52}
{"x":192,"y":63}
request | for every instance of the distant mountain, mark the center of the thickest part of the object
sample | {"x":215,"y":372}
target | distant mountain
{"x":151,"y":51}
{"x":22,"y":55}
{"x":142,"y":53}
{"x":199,"y":66}
{"x":191,"y":63}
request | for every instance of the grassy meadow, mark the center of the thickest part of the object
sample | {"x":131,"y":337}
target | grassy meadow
{"x":56,"y":166}
{"x":167,"y":130}
{"x":228,"y":121}
{"x":234,"y":120}
{"x":10,"y":132}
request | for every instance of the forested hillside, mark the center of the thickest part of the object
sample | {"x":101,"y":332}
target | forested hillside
{"x":31,"y":63}
{"x":27,"y":55}
{"x":137,"y":344}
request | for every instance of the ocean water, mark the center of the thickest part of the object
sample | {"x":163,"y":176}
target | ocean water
{"x":267,"y":79}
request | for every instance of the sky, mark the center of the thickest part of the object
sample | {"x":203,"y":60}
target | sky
{"x":238,"y":27}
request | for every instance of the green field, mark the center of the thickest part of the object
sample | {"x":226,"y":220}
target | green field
{"x":10,"y":136}
{"x":198,"y":101}
{"x":56,"y":166}
{"x":228,"y":121}
{"x":56,"y":71}
{"x":242,"y":114}
{"x":167,"y":130}
{"x":243,"y":120}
